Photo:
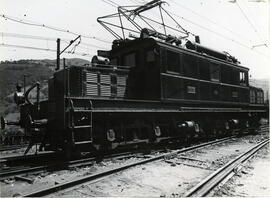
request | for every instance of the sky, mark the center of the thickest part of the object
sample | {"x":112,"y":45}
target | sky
{"x":240,"y":27}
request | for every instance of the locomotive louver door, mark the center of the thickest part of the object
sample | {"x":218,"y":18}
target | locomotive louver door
{"x":81,"y":123}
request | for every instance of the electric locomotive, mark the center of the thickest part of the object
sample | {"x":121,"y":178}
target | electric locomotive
{"x":149,"y":89}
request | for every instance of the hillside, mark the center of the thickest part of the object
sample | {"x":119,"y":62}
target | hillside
{"x":12,"y":72}
{"x":35,"y":70}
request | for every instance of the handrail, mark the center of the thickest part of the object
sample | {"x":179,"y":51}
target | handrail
{"x":29,"y":90}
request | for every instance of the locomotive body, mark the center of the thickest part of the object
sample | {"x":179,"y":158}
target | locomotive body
{"x":152,"y":91}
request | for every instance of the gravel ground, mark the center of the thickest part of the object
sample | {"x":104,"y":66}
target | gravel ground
{"x":19,"y":151}
{"x":252,"y":180}
{"x":12,"y":187}
{"x":170,"y":177}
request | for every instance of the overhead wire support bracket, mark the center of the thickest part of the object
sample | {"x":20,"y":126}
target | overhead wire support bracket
{"x":259,"y":45}
{"x":58,"y":53}
{"x":71,"y":42}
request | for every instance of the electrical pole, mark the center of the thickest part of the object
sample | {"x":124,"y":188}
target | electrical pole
{"x":58,"y":54}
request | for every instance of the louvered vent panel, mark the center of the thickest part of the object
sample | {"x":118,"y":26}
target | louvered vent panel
{"x":105,"y":79}
{"x":91,"y":77}
{"x":121,"y":91}
{"x":121,"y":80}
{"x":91,"y":89}
{"x":105,"y":90}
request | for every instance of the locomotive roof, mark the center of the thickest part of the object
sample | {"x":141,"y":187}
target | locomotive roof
{"x":257,"y":88}
{"x":132,"y":43}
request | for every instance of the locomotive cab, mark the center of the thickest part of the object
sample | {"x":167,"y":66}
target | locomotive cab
{"x":142,"y":56}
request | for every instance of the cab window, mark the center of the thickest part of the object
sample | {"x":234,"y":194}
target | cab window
{"x":252,"y":96}
{"x":214,"y":72}
{"x":243,"y":78}
{"x":190,"y":66}
{"x":173,"y":61}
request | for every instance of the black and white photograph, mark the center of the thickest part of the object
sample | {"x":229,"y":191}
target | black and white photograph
{"x":134,"y":98}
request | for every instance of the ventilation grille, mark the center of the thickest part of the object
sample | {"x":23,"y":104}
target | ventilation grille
{"x":91,"y":89}
{"x":121,"y":80}
{"x":105,"y":79}
{"x":121,"y":91}
{"x":104,"y":84}
{"x":105,"y":90}
{"x":91,"y":77}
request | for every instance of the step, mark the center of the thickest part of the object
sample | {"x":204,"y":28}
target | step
{"x":82,"y":127}
{"x":83,"y":142}
{"x":82,"y":110}
{"x":79,"y":110}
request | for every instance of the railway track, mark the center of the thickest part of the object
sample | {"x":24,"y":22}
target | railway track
{"x":209,"y":183}
{"x":11,"y":147}
{"x":104,"y":174}
{"x":22,"y":164}
{"x":57,"y":165}
{"x":61,"y":165}
{"x":19,"y":158}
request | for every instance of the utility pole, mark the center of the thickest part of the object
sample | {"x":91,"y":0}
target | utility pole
{"x":58,"y":54}
{"x":24,"y":84}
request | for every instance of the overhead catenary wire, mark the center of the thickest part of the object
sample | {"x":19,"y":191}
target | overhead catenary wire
{"x":160,"y":14}
{"x":42,"y":49}
{"x":216,"y":33}
{"x":252,"y":15}
{"x":210,"y":30}
{"x":85,"y":47}
{"x":32,"y":23}
{"x":220,"y":35}
{"x":24,"y":36}
{"x":34,"y":37}
{"x":251,"y":24}
{"x":210,"y":20}
{"x":110,"y":3}
{"x":206,"y":18}
{"x":134,"y":1}
{"x":113,"y":2}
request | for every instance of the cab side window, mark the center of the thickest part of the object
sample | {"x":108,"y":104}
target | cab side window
{"x":214,"y":72}
{"x":190,"y":66}
{"x":243,"y":78}
{"x":252,"y":96}
{"x":173,"y":62}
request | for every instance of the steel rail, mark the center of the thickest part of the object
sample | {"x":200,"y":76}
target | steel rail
{"x":27,"y":157}
{"x":54,"y":166}
{"x":12,"y":147}
{"x":104,"y":174}
{"x":206,"y":185}
{"x":38,"y":169}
